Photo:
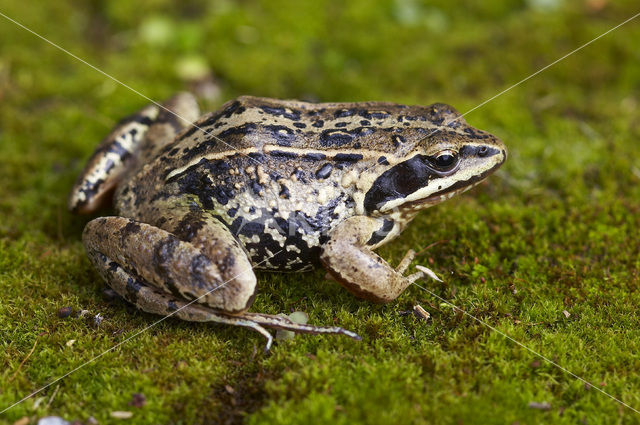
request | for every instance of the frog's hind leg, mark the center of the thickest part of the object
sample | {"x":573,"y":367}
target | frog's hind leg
{"x":126,"y":145}
{"x":176,"y":114}
{"x":160,"y":272}
{"x":152,"y":300}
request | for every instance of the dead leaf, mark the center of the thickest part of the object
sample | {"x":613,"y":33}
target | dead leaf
{"x":121,"y":414}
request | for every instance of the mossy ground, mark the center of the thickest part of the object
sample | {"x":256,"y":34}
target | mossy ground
{"x":555,"y":230}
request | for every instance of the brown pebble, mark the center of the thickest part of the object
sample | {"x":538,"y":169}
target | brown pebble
{"x":65,"y":312}
{"x":138,"y":400}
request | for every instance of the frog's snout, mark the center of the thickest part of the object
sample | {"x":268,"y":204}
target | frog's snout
{"x":495,"y":151}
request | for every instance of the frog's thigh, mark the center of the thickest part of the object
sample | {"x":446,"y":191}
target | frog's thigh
{"x":159,"y":259}
{"x":356,"y":267}
{"x":135,"y":138}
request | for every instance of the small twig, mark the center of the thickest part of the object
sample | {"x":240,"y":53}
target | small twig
{"x":422,"y":251}
{"x":55,"y":392}
{"x":24,"y":361}
{"x":421,"y":312}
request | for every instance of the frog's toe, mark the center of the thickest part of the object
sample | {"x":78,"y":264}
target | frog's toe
{"x":424,"y":271}
{"x":406,"y":261}
{"x":256,"y":327}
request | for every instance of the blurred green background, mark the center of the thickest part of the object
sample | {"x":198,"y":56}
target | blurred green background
{"x":546,"y":251}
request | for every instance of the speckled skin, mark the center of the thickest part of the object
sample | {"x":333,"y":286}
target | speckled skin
{"x":277,"y":185}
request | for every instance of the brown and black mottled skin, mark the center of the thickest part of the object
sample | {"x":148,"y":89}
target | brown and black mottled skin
{"x":272,"y":184}
{"x":320,"y":144}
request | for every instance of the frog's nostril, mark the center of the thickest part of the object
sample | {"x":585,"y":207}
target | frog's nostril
{"x":483,"y":151}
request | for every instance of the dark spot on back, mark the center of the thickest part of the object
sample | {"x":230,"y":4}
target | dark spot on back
{"x":279,"y":111}
{"x":335,"y":138}
{"x":258,"y":157}
{"x":256,"y":187}
{"x":284,"y":136}
{"x":283,"y":154}
{"x":314,"y":156}
{"x":199,"y":149}
{"x":344,"y":113}
{"x":347,"y":157}
{"x":241,"y":226}
{"x":398,"y":140}
{"x":324,"y":171}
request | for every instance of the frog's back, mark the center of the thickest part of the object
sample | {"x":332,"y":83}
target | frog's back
{"x":250,"y":123}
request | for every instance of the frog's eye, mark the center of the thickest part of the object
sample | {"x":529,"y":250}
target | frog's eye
{"x":444,"y":161}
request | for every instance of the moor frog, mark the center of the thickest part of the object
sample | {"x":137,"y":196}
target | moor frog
{"x":270,"y":184}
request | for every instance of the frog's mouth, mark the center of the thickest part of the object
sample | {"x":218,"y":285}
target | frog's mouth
{"x":457,"y":188}
{"x":436,"y":198}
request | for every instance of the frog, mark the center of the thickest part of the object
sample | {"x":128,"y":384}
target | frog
{"x":202,"y":201}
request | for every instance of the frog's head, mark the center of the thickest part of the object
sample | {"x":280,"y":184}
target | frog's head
{"x":452,"y":158}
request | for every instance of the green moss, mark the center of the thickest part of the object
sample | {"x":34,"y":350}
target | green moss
{"x":555,"y":230}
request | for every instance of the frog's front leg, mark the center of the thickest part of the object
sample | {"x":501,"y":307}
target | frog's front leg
{"x":349,"y":259}
{"x":160,"y":273}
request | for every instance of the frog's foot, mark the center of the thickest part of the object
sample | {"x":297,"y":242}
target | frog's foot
{"x":283,"y":323}
{"x":259,"y":321}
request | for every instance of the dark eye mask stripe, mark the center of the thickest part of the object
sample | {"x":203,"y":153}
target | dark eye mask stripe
{"x":417,"y":172}
{"x":399,"y":181}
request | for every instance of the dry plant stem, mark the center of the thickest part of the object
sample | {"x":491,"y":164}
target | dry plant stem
{"x":24,"y":361}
